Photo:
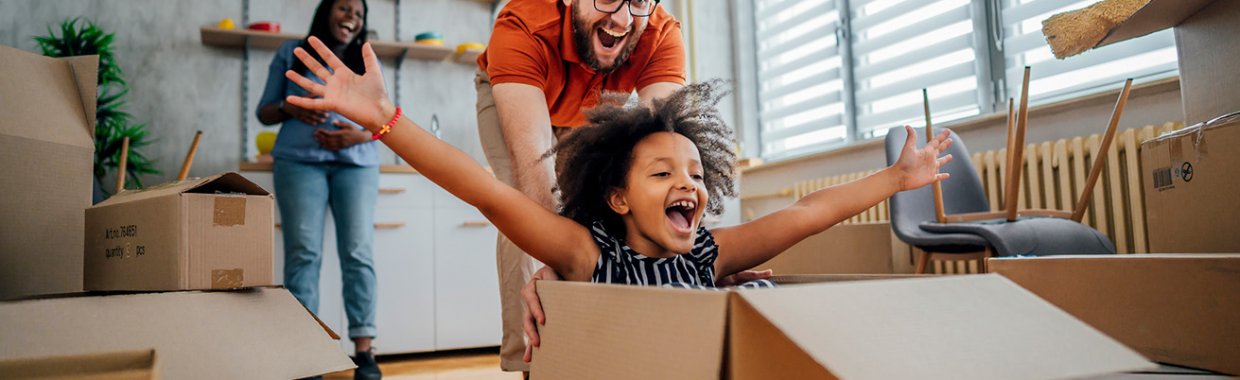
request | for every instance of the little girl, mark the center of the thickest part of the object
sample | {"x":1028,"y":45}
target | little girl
{"x":635,"y":184}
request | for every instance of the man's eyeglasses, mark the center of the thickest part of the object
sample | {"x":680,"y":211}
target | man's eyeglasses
{"x":637,"y":8}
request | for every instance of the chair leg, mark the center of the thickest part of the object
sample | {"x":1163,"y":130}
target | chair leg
{"x":921,"y":262}
{"x":983,"y":267}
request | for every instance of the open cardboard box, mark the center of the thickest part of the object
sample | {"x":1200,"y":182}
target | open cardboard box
{"x":259,"y":333}
{"x":207,"y":233}
{"x":47,"y":123}
{"x":1188,"y":178}
{"x":123,"y":365}
{"x":959,"y":327}
{"x":1177,"y":309}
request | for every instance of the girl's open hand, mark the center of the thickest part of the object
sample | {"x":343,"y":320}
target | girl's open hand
{"x":920,"y":167}
{"x":360,"y":98}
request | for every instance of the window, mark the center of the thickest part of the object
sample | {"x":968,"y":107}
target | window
{"x":800,"y":89}
{"x":828,"y":77}
{"x":1149,"y":57}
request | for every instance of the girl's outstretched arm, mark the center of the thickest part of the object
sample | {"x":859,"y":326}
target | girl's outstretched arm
{"x":745,"y":245}
{"x":557,"y":241}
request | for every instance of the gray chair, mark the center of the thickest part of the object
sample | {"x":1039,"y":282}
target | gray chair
{"x":913,"y":218}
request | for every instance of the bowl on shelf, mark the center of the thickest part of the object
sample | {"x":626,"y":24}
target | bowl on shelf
{"x":265,"y":26}
{"x":226,"y":24}
{"x":462,"y":48}
{"x":429,"y":38}
{"x":265,"y":141}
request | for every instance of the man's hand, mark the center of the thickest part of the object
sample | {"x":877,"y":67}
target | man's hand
{"x":743,"y":277}
{"x":920,"y":167}
{"x":345,"y":137}
{"x":533,"y":309}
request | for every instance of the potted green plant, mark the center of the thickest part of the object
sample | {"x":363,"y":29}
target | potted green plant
{"x":112,"y":123}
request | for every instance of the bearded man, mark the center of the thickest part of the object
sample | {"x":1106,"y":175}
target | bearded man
{"x":547,"y":62}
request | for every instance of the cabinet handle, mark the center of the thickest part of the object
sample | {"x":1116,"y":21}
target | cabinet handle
{"x":378,"y":226}
{"x":391,"y":190}
{"x":476,"y":223}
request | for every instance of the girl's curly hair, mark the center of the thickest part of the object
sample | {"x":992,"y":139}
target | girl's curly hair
{"x":596,"y":158}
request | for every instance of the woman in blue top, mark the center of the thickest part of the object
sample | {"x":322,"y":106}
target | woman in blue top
{"x":322,"y":160}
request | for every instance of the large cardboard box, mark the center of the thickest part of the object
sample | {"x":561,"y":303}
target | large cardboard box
{"x":208,"y":233}
{"x":863,"y":248}
{"x":959,"y":327}
{"x":259,"y":333}
{"x":124,"y":365}
{"x":47,"y":121}
{"x":1190,"y":180}
{"x":1176,"y":309}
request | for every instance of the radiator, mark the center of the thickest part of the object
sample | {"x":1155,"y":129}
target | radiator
{"x":1052,"y":178}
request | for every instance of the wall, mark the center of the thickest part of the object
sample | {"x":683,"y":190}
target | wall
{"x":178,"y":86}
{"x":1151,"y":104}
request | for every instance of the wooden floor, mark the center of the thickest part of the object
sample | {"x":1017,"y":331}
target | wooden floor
{"x":455,"y":365}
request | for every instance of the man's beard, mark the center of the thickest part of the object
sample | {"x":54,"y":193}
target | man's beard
{"x":585,"y":45}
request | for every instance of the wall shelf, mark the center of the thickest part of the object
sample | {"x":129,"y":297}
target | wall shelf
{"x":212,"y":36}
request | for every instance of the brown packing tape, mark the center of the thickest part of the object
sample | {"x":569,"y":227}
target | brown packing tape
{"x":227,"y":278}
{"x":1175,"y":152}
{"x":229,"y":211}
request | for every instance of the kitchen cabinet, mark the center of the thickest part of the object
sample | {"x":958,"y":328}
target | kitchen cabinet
{"x":434,"y":262}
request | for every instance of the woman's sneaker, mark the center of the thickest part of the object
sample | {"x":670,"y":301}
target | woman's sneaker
{"x":367,"y":367}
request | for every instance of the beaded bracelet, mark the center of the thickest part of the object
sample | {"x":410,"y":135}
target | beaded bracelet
{"x":387,"y":127}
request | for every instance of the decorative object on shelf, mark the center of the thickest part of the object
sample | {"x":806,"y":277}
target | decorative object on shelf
{"x":265,"y":141}
{"x":265,"y":26}
{"x":112,"y":124}
{"x":429,"y":38}
{"x":462,"y":48}
{"x":467,"y":53}
{"x":226,"y":24}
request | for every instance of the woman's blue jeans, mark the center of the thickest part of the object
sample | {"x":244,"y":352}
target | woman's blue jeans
{"x":304,"y":191}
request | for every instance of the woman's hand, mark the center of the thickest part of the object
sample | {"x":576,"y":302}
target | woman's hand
{"x":305,"y":115}
{"x":361,"y":98}
{"x":338,"y":139}
{"x":920,"y":167}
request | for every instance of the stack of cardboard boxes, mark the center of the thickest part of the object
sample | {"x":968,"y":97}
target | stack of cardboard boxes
{"x":170,"y":242}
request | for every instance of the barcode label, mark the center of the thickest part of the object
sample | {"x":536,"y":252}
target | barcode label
{"x":1162,"y":178}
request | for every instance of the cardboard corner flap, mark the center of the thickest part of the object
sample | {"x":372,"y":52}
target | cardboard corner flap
{"x":261,"y":333}
{"x":1175,"y":308}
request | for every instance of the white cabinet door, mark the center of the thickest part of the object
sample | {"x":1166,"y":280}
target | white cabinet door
{"x":404,"y":267}
{"x":467,"y":311}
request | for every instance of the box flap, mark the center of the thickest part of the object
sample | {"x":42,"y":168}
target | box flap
{"x":1175,"y":308}
{"x":261,"y":333}
{"x":652,"y":332}
{"x":41,"y":91}
{"x":1153,"y":17}
{"x":229,"y":183}
{"x":960,"y":327}
{"x":122,"y":365}
{"x":86,"y":75}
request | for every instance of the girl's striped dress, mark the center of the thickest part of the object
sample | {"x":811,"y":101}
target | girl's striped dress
{"x":619,"y":264}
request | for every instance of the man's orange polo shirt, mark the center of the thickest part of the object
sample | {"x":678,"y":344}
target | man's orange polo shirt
{"x":533,"y":44}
